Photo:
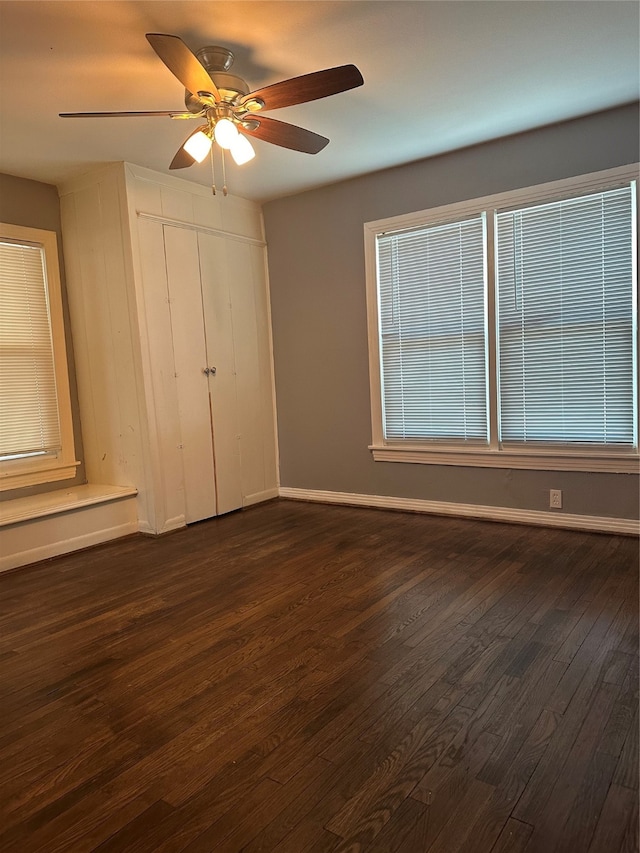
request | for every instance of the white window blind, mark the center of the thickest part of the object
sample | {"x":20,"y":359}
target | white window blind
{"x":431,"y":292}
{"x":29,"y":421}
{"x":566,"y":321}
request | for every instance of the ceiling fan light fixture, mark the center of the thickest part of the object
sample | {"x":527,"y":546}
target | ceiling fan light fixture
{"x":226,"y":133}
{"x":198,"y":146}
{"x":242,"y":150}
{"x":224,"y":101}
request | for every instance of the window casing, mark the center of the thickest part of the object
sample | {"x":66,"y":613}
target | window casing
{"x":36,"y":432}
{"x":557,"y":267}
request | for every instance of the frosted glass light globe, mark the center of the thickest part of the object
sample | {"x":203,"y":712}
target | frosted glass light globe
{"x":225,"y":133}
{"x":198,"y":146}
{"x":242,"y":150}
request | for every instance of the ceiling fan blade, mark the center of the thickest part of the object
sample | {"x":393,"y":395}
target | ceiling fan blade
{"x":183,"y":159}
{"x":183,"y":64}
{"x":308,"y":87}
{"x":285,"y":135}
{"x":171,"y":113}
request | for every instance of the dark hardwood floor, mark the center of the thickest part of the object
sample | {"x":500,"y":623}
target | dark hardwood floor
{"x":299,"y":677}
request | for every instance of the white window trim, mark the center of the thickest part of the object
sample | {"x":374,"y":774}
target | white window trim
{"x":48,"y":468}
{"x":560,"y":458}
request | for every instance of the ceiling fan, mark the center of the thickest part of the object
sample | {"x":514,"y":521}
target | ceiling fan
{"x":230,"y":111}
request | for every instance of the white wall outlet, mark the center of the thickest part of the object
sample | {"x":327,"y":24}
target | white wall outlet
{"x":555,"y":498}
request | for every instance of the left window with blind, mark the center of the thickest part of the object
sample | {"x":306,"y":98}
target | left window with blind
{"x":36,"y":431}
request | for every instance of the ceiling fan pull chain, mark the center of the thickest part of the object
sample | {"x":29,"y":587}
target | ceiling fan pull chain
{"x":225,"y":191}
{"x":213,"y":173}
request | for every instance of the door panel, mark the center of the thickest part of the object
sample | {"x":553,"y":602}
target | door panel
{"x":217,"y":274}
{"x":164,"y":427}
{"x":190,"y":358}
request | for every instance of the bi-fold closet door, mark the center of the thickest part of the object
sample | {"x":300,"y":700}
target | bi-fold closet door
{"x":198,"y":277}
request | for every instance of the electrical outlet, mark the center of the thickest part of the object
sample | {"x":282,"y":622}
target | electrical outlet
{"x":555,"y":498}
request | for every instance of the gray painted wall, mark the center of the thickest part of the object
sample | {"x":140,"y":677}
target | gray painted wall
{"x":36,"y":205}
{"x":317,"y":279}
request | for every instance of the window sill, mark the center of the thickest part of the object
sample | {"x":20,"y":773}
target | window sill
{"x":536,"y":461}
{"x":62,"y":501}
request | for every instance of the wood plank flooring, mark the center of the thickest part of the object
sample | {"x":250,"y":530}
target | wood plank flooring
{"x":298,"y":677}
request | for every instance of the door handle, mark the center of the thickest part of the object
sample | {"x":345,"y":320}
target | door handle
{"x":209,"y":371}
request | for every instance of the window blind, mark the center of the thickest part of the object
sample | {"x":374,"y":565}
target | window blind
{"x":29,"y":420}
{"x":431,"y":290}
{"x":566,"y":323}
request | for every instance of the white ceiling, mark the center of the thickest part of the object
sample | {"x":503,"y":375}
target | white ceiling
{"x":438,"y":76}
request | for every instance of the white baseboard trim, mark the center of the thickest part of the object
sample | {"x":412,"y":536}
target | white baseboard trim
{"x":260,"y":497}
{"x":591,"y":523}
{"x":66,"y":546}
{"x":170,"y":527}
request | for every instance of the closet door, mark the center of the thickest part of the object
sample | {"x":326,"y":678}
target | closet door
{"x":214,"y":428}
{"x":217,"y":276}
{"x":165,"y":485}
{"x":191,"y":362}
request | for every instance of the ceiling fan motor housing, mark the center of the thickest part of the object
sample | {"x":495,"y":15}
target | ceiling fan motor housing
{"x":217,"y":61}
{"x":215,"y":58}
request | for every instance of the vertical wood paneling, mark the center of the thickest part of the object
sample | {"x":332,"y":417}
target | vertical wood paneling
{"x":145,"y":196}
{"x":207,"y":211}
{"x":177,"y":204}
{"x":242,"y":217}
{"x":100,"y":349}
{"x":106,"y":349}
{"x":102,"y":334}
{"x":80,"y":331}
{"x":126,"y":462}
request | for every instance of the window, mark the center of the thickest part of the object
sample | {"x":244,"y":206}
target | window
{"x":503,"y":331}
{"x":36,"y":434}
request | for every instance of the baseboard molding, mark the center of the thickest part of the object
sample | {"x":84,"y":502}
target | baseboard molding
{"x":170,"y":527}
{"x":260,"y":497}
{"x":66,"y":546}
{"x":590,"y":523}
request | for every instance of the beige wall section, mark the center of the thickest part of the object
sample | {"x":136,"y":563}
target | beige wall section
{"x":317,"y":279}
{"x":36,"y":205}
